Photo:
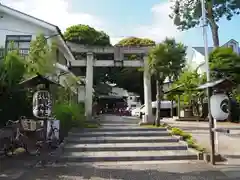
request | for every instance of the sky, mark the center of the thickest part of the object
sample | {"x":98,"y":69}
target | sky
{"x":122,"y":18}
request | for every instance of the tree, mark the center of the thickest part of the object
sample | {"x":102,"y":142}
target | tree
{"x":12,"y":70}
{"x":84,"y":34}
{"x":130,"y":79}
{"x":224,"y":62}
{"x":165,"y":60}
{"x":41,"y":58}
{"x":187,"y":14}
{"x":135,"y":41}
{"x":188,"y":81}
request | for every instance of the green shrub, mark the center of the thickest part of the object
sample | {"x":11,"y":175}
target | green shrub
{"x":177,"y":131}
{"x":201,"y":149}
{"x":186,"y":136}
{"x":191,"y":143}
{"x":70,"y":115}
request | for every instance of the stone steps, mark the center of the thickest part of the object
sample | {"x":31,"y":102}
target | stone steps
{"x":118,"y":129}
{"x":110,"y":156}
{"x":125,"y":139}
{"x":125,"y":142}
{"x":124,"y":147}
{"x":127,"y":132}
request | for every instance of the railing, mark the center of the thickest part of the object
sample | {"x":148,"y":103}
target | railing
{"x":22,"y":52}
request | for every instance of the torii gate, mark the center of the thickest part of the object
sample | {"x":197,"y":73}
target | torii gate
{"x":119,"y":53}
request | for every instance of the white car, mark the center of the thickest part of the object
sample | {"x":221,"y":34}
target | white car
{"x":136,"y":111}
{"x":164,"y":105}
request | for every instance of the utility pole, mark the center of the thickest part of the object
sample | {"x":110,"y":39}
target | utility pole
{"x":209,"y":90}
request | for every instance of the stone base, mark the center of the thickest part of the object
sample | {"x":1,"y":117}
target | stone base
{"x":207,"y":157}
{"x":145,"y":123}
{"x":146,"y":120}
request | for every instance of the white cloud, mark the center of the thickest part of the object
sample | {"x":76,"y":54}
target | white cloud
{"x":161,"y":27}
{"x":56,"y":12}
{"x":115,"y":40}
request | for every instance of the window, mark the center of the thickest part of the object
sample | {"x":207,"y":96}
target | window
{"x":21,"y":42}
{"x":18,"y":42}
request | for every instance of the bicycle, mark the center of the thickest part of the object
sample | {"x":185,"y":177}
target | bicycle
{"x":5,"y":141}
{"x":52,"y":140}
{"x":16,"y":140}
{"x":52,"y":135}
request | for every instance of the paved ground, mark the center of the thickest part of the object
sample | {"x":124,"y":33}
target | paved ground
{"x":191,"y":170}
{"x":173,"y":171}
{"x":12,"y":168}
{"x":228,"y":146}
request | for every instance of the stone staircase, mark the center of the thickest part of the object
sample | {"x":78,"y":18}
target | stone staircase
{"x":123,"y":142}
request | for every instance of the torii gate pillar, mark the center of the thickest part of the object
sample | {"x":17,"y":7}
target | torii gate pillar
{"x":148,"y":118}
{"x":89,"y":86}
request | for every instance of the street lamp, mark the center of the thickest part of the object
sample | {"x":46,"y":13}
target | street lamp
{"x":209,"y":92}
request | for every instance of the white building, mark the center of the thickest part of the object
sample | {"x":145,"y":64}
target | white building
{"x":196,"y":59}
{"x":19,"y":28}
{"x":22,"y":28}
{"x":133,"y":100}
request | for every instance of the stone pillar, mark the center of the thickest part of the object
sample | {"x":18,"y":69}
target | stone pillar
{"x":81,"y":93}
{"x":89,"y":86}
{"x":171,"y":108}
{"x":147,"y":93}
{"x":179,"y":108}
